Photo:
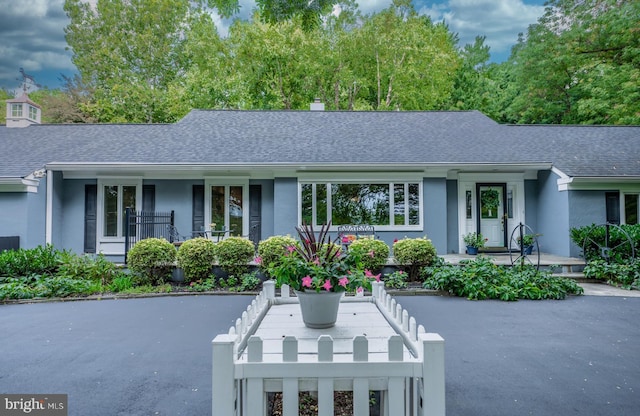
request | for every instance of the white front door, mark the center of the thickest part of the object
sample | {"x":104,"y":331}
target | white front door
{"x":491,"y":207}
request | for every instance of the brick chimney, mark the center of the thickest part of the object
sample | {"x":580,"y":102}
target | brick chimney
{"x":22,"y":112}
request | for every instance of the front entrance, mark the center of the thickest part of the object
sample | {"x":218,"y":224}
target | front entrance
{"x":491,"y":215}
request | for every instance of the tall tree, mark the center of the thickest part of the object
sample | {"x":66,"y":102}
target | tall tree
{"x":579,"y":64}
{"x":130,"y":51}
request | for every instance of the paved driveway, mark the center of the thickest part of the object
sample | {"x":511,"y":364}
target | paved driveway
{"x":153,"y":356}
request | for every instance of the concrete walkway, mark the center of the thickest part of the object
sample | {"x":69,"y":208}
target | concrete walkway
{"x":602,"y":289}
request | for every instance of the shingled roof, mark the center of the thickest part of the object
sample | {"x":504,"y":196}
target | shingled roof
{"x":223,"y":137}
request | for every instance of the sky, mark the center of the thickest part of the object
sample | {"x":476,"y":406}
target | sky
{"x":32,"y":31}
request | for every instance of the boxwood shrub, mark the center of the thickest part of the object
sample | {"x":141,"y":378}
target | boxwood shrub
{"x":412,"y":254}
{"x":152,"y":260}
{"x":196,"y":258}
{"x":234,"y":255}
{"x":271,"y":250}
{"x":375,"y":253}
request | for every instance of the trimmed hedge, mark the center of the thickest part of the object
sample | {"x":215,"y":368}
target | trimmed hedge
{"x":152,"y":260}
{"x":374,"y":253}
{"x":411,"y":254}
{"x":196,"y":258}
{"x":234,"y":255}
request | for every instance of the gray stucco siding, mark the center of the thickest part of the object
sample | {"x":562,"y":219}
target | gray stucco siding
{"x":71,"y":222}
{"x":12,"y":221}
{"x":285,"y":206}
{"x":453,"y":230}
{"x":585,"y":208}
{"x":552,"y":215}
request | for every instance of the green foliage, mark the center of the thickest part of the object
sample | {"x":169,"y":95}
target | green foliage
{"x":152,"y":260}
{"x":411,"y":254}
{"x":25,"y":262}
{"x":94,"y":268}
{"x":271,"y":250}
{"x":373,"y":253}
{"x":474,"y":240}
{"x":592,"y":238}
{"x":196,"y":258}
{"x":121,"y":284}
{"x":234,"y":255}
{"x":396,"y":280}
{"x":482,"y":279}
{"x":625,"y":274}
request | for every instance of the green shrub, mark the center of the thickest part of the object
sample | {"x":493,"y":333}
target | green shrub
{"x":196,"y":258}
{"x":205,"y":285}
{"x":94,"y":268}
{"x":271,"y":250}
{"x":374,"y":253}
{"x":152,"y":260}
{"x":482,"y":279}
{"x":411,"y":254}
{"x":234,"y":255}
{"x":592,"y":237}
{"x":24,"y":262}
{"x":625,"y":274}
{"x":121,"y":284}
{"x":396,"y":280}
{"x":250,"y":281}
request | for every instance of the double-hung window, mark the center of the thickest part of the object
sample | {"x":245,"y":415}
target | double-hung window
{"x":33,"y":113}
{"x":386,"y":205}
{"x":631,"y":208}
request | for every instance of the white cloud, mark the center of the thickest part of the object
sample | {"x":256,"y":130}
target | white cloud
{"x":499,"y":20}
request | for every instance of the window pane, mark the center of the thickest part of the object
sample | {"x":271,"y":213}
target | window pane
{"x":235,"y":210}
{"x":414,"y":204}
{"x":631,"y":209}
{"x":217,"y":207}
{"x":398,"y":204}
{"x":306,"y":199}
{"x":321,"y":203}
{"x":16,"y":110}
{"x":360,"y":204}
{"x":468,"y":205}
{"x":110,"y":211}
{"x":510,"y":203}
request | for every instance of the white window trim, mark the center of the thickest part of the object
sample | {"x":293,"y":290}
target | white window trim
{"x":363,"y":179}
{"x":137,"y":182}
{"x":226,"y":182}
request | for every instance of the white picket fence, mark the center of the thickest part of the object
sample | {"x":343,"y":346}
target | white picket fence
{"x":408,"y":368}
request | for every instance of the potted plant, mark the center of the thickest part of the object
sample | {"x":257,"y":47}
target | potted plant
{"x":526,"y":242}
{"x":473,"y":241}
{"x":320,"y":272}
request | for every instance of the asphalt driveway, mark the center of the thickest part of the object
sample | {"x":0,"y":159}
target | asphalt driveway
{"x":152,"y":356}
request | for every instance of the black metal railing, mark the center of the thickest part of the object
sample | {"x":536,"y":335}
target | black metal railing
{"x":142,"y":224}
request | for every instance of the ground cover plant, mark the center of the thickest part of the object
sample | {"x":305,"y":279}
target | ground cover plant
{"x":482,"y":279}
{"x":44,"y":272}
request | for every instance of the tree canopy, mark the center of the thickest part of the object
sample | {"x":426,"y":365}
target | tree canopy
{"x":154,"y":60}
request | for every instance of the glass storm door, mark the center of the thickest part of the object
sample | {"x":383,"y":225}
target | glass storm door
{"x":492,"y":214}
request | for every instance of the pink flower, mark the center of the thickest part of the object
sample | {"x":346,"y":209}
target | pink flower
{"x":327,"y":285}
{"x":258,"y":260}
{"x":316,"y":261}
{"x":372,"y":254}
{"x":372,"y":276}
{"x":343,"y":281}
{"x":395,"y":240}
{"x":360,"y":289}
{"x":291,"y":249}
{"x":306,"y":281}
{"x":345,"y":239}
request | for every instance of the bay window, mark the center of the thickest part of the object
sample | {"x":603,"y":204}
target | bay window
{"x":382,"y":204}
